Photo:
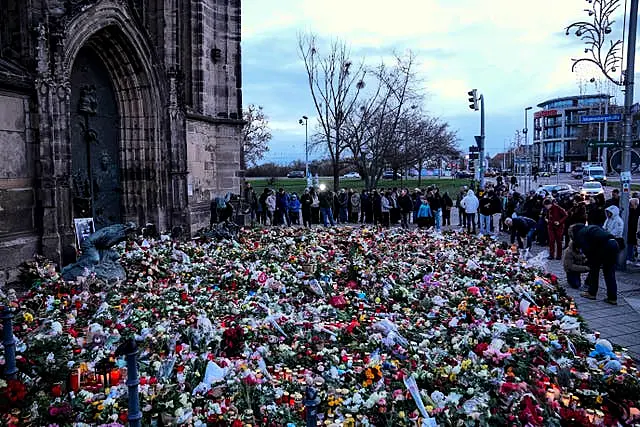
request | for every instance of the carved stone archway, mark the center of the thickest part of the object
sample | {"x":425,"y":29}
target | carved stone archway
{"x":107,"y":29}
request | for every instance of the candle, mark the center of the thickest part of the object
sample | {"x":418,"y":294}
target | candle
{"x":115,"y":376}
{"x":74,"y":380}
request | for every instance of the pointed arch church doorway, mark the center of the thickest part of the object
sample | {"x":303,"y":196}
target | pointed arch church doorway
{"x":95,"y":145}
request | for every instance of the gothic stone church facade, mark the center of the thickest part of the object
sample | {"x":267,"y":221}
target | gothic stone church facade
{"x":120,"y":110}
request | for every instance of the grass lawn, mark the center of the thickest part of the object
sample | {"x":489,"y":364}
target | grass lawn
{"x":297,"y":185}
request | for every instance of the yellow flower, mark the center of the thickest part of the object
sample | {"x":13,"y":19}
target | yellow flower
{"x":28,"y":317}
{"x":466,"y":364}
{"x":599,"y":399}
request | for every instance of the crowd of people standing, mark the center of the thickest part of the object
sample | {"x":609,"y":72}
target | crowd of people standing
{"x":384,"y":207}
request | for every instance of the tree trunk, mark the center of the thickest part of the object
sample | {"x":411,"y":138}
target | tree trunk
{"x":336,"y":176}
{"x":419,"y":173}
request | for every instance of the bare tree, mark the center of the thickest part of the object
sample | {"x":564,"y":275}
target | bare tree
{"x":373,"y":133}
{"x":430,"y":139}
{"x":335,"y":84}
{"x":255,"y":135}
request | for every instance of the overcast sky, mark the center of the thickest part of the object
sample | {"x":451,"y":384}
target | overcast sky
{"x":515,"y":52}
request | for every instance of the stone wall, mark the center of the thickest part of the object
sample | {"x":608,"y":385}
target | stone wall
{"x":213,"y":159}
{"x":18,"y":241}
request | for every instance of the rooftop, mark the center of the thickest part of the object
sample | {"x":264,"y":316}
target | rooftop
{"x":575,"y":97}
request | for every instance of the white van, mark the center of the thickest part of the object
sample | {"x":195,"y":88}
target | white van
{"x":594,"y":173}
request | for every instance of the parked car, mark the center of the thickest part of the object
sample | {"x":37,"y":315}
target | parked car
{"x":561,"y":190}
{"x":464,"y":175}
{"x":591,"y":188}
{"x":351,"y":175}
{"x":388,"y":174}
{"x":545,"y":174}
{"x":577,"y":174}
{"x":295,"y":174}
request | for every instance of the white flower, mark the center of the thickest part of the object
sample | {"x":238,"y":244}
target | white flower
{"x":438,"y":398}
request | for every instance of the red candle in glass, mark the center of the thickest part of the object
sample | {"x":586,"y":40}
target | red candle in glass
{"x":74,"y":381}
{"x":115,"y":376}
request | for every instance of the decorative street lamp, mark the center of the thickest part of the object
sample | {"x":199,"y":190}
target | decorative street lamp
{"x":608,"y":57}
{"x":526,"y":145}
{"x":305,"y":121}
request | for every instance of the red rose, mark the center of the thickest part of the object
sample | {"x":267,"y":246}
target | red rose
{"x":481,"y":348}
{"x":56,"y":390}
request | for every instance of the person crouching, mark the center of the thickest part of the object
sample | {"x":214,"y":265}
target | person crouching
{"x":574,"y":263}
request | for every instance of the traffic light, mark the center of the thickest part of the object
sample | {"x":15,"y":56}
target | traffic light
{"x":473,"y":99}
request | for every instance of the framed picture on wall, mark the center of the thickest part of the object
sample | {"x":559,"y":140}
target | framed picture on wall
{"x":84,"y":227}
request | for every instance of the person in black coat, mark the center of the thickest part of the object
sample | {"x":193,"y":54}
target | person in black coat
{"x":306,"y":200}
{"x":632,"y":229}
{"x":406,"y":207}
{"x":377,"y":212}
{"x":367,"y":207}
{"x":447,"y":204}
{"x":595,"y":211}
{"x":601,"y":249}
{"x":521,"y":226}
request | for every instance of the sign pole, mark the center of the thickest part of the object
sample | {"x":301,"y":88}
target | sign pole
{"x":625,"y":177}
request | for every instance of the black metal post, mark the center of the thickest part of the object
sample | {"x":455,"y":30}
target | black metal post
{"x":130,"y":350}
{"x":9,"y":342}
{"x":311,"y":403}
{"x":625,"y":180}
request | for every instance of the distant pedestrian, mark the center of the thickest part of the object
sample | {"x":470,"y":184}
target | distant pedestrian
{"x":556,"y":216}
{"x":425,"y":214}
{"x":470,"y":204}
{"x":306,"y":201}
{"x":385,"y":209}
{"x":294,"y":209}
{"x":326,"y":201}
{"x":632,"y":229}
{"x":447,"y":205}
{"x":406,"y":207}
{"x":355,"y":206}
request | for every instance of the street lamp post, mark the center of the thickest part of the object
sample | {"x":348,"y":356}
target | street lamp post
{"x":528,"y":184}
{"x":607,"y":57}
{"x":305,"y":120}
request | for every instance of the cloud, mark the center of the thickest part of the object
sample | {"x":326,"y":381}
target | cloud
{"x":515,"y":53}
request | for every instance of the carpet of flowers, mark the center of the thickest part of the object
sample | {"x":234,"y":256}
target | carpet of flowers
{"x":392,"y":328}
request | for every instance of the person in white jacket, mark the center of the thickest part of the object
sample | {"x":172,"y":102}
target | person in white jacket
{"x":385,"y":208}
{"x":470,"y":204}
{"x":271,"y":207}
{"x":614,"y":223}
